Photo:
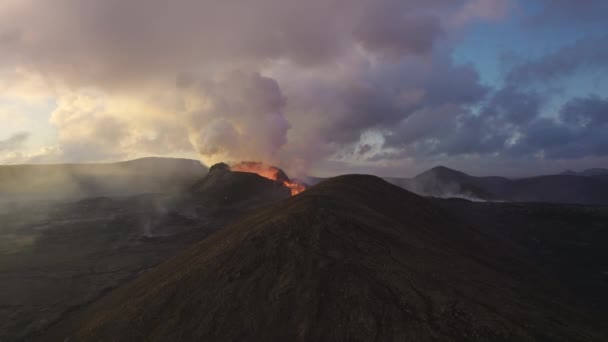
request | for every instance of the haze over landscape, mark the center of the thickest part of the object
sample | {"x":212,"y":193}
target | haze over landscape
{"x":321,"y":170}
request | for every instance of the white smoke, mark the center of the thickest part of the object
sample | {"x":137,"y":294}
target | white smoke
{"x":237,"y":116}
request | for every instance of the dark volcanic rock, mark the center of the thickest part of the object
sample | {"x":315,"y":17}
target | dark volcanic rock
{"x":222,"y":186}
{"x":219,"y":167}
{"x":351,"y":259}
{"x":56,"y":257}
{"x":568,"y":241}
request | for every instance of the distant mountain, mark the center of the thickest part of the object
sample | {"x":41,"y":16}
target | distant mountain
{"x":444,"y":182}
{"x":587,"y":173}
{"x":353,"y":258}
{"x":441,"y":181}
{"x":60,"y":181}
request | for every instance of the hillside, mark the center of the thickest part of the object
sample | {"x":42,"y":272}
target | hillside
{"x":566,"y":240}
{"x":60,"y":181}
{"x":444,"y":182}
{"x":353,"y":258}
{"x":56,"y":257}
{"x":566,"y":188}
{"x":559,"y":189}
{"x":595,"y":172}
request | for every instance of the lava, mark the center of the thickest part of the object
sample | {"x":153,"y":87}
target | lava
{"x":270,"y":172}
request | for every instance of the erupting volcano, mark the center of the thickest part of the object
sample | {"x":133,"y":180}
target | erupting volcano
{"x":270,"y":172}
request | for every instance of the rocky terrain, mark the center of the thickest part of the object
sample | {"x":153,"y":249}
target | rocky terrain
{"x":567,"y":241}
{"x":233,"y":256}
{"x":56,"y":257}
{"x":353,"y":258}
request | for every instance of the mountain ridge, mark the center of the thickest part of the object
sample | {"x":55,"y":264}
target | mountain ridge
{"x":73,"y":181}
{"x":593,"y":172}
{"x":445,"y":182}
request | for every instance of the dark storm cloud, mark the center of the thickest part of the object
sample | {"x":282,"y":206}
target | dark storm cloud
{"x":584,"y":54}
{"x":568,"y":11}
{"x":512,"y":121}
{"x":586,"y":112}
{"x":386,"y":95}
{"x":508,"y":124}
{"x":14,"y":141}
{"x":394,"y":33}
{"x":363,"y":149}
{"x":452,"y":128}
{"x":587,"y":122}
{"x":560,"y":140}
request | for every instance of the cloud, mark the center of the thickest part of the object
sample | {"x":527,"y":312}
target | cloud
{"x":585,"y":54}
{"x":394,"y":33}
{"x":481,"y":9}
{"x":289,"y":82}
{"x":92,"y":127}
{"x":586,"y":112}
{"x":509,"y":126}
{"x":385,"y":98}
{"x":237,"y":116}
{"x":567,"y":12}
{"x":14,"y":141}
{"x":116,"y":42}
{"x":112,"y":66}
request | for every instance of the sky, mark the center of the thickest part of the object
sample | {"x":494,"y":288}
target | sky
{"x":317,"y":87}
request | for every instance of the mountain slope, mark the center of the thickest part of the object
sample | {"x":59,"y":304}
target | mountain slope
{"x":59,"y":181}
{"x":221,"y":187}
{"x":559,"y":189}
{"x":567,"y":240}
{"x":444,"y":182}
{"x":587,"y":173}
{"x":353,"y":258}
{"x":59,"y":256}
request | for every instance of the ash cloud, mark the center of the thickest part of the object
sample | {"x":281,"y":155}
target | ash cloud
{"x":236,"y":116}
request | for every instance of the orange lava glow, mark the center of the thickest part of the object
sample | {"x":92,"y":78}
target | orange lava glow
{"x":270,"y":172}
{"x":295,"y":187}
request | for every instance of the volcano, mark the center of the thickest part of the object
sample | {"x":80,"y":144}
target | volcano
{"x":270,"y":172}
{"x":222,"y":186}
{"x":353,"y":258}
